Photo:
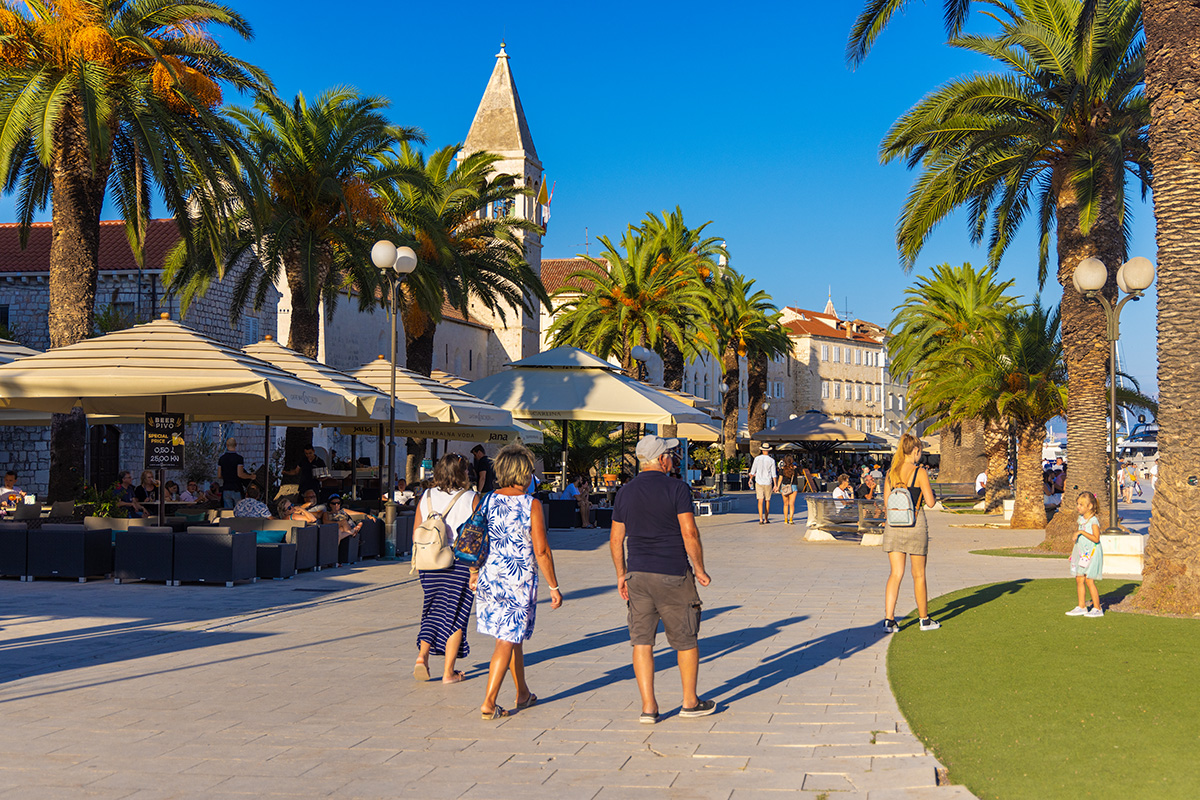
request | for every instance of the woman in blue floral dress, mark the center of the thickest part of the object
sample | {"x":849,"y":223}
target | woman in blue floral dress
{"x":507,"y":585}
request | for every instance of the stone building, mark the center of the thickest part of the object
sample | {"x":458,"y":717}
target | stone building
{"x":126,"y":293}
{"x":500,"y":127}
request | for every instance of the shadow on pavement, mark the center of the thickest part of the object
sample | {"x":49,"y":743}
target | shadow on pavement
{"x":52,"y":626}
{"x":794,"y":661}
{"x":602,"y":639}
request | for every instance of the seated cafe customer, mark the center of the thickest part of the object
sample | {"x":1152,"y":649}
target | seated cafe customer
{"x":251,"y":506}
{"x":289,"y":510}
{"x":192,"y":493}
{"x":172,"y":491}
{"x":147,"y":490}
{"x":125,"y":495}
{"x":334,"y":512}
{"x":10,"y":495}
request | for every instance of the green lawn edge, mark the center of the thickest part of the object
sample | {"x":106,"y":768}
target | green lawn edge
{"x":1017,"y":700}
{"x":1010,"y":552}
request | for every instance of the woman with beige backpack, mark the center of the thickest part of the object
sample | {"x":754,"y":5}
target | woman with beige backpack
{"x":448,"y":597}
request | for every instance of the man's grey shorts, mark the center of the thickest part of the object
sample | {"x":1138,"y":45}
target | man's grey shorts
{"x":671,"y":598}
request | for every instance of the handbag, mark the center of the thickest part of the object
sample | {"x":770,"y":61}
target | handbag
{"x":471,"y":546}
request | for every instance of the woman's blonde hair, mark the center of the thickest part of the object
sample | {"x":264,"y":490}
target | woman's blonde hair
{"x":908,"y":443}
{"x":513,"y":465}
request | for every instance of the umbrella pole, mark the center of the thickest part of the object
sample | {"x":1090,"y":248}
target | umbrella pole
{"x":354,"y":466}
{"x":566,"y":427}
{"x":162,"y":488}
{"x":266,"y":457}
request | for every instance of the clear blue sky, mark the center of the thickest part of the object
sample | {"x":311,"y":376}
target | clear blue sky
{"x":747,"y":116}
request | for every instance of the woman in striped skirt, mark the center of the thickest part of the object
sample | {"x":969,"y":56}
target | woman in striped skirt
{"x":448,"y":599}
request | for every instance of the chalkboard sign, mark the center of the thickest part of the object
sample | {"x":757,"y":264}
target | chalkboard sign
{"x":164,"y":441}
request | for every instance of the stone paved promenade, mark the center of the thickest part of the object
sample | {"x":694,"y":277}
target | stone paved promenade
{"x":303,"y":688}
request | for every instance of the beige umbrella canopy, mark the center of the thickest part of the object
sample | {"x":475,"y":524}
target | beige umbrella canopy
{"x":448,"y":378}
{"x":436,"y":402}
{"x":143,"y":368}
{"x":814,"y":431}
{"x":370,"y":404}
{"x":11,"y":351}
{"x":568,"y":383}
{"x":571,"y":384}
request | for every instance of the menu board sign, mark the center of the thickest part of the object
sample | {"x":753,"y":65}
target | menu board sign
{"x":164,"y":441}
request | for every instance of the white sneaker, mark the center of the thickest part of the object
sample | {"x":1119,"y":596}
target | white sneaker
{"x":1094,"y":612}
{"x":928,"y":624}
{"x":1077,"y":611}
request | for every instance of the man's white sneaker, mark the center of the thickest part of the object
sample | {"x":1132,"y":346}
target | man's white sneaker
{"x":1077,"y":611}
{"x":928,"y":624}
{"x":1094,"y":612}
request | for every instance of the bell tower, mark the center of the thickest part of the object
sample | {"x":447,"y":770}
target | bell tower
{"x":500,"y":127}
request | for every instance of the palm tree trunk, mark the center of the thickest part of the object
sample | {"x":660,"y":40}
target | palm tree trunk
{"x":673,"y":364}
{"x":1171,"y":575}
{"x":304,"y":336}
{"x":418,"y":351}
{"x":1029,"y":510}
{"x":1085,"y":347}
{"x":995,"y":437}
{"x":756,"y":394}
{"x":77,"y":199}
{"x":731,"y":375}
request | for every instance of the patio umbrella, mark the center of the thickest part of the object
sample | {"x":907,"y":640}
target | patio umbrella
{"x":139,"y":369}
{"x":435,"y":402}
{"x":570,"y":384}
{"x":160,"y":366}
{"x":814,"y":432}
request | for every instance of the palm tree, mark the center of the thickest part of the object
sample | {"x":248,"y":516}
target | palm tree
{"x":952,"y":306}
{"x":1171,"y":575}
{"x":1052,"y":137}
{"x":741,"y":323}
{"x":591,"y":443}
{"x":468,"y":249}
{"x":1020,"y":375}
{"x":701,"y":256}
{"x":324,"y":171}
{"x":99,"y":96}
{"x":627,"y":297}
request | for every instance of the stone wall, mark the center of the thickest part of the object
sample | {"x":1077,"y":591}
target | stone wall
{"x":122,"y":298}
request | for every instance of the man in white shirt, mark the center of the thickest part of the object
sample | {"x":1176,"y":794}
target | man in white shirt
{"x":763,"y":472}
{"x":981,"y":484}
{"x":9,"y":493}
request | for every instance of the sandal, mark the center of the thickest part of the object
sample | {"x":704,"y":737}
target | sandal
{"x":648,"y":717}
{"x":496,"y":713}
{"x":532,"y":700}
{"x":459,"y":677}
{"x":421,"y":671}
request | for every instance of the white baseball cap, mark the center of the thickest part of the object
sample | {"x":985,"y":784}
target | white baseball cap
{"x":651,"y":447}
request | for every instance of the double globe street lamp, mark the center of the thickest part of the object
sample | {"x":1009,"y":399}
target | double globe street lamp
{"x":393,"y":264}
{"x":1134,"y":276}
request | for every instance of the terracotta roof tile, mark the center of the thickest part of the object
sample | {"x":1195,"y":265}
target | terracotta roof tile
{"x":556,"y":270}
{"x":816,"y":323}
{"x":114,"y":255}
{"x":450,"y":312}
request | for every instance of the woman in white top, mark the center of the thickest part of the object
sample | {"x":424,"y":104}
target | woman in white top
{"x":843,"y":491}
{"x":448,"y":597}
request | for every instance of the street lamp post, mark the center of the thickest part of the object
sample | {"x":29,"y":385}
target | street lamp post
{"x":1134,"y":276}
{"x":393,"y":264}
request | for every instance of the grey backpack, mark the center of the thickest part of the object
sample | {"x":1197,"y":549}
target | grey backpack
{"x":900,"y":511}
{"x":431,"y":540}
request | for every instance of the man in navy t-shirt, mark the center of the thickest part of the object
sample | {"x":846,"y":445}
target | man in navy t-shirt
{"x":653,"y":520}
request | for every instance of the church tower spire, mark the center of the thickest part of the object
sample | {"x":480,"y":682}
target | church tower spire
{"x":500,"y":127}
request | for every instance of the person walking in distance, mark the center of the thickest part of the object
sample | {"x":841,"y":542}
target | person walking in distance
{"x":654,"y":536}
{"x":233,"y":474}
{"x":763,"y":472}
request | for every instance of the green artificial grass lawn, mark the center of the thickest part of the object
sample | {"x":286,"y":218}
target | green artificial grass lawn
{"x":1018,"y":700}
{"x":1011,"y":552}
